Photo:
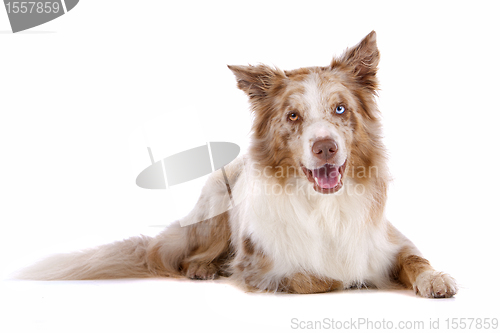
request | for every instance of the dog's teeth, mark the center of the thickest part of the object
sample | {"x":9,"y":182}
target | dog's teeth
{"x":316,"y":180}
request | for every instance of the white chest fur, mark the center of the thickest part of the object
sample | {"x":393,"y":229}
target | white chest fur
{"x":326,"y":235}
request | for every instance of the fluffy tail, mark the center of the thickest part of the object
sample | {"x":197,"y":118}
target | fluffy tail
{"x":135,"y":257}
{"x":121,"y":259}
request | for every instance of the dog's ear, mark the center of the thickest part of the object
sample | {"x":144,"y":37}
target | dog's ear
{"x":362,"y":60}
{"x":255,"y":81}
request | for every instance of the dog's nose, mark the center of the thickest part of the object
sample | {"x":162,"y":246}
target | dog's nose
{"x":324,"y":149}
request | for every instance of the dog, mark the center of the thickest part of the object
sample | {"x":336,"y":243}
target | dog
{"x":309,"y":198}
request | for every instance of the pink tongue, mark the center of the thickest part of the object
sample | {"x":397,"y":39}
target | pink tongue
{"x":328,"y":176}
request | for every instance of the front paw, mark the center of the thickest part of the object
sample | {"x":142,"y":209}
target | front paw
{"x":433,"y":284}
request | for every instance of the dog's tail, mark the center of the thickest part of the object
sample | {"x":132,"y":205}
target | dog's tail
{"x":136,"y":257}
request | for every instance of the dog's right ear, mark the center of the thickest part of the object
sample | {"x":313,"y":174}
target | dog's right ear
{"x":255,"y":81}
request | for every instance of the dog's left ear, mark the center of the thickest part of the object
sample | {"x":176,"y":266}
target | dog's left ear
{"x":362,"y":60}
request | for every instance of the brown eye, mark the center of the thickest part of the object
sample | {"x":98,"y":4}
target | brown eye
{"x":293,"y":116}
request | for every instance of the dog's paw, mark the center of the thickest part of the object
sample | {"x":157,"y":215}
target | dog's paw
{"x":201,"y":271}
{"x":433,"y":284}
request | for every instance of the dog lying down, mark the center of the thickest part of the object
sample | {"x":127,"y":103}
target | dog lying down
{"x":310,"y":197}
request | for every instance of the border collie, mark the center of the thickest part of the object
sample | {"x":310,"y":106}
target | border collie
{"x":309,"y":198}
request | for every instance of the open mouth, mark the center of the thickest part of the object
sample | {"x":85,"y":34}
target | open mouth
{"x":327,"y":178}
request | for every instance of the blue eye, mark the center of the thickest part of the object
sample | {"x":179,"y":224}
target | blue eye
{"x":340,"y":109}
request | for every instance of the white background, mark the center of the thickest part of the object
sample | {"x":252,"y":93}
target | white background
{"x":82,"y":96}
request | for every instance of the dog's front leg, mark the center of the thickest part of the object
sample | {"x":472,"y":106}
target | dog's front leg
{"x":415,"y":272}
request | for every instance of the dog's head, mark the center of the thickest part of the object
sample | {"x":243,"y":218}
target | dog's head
{"x":322,"y":121}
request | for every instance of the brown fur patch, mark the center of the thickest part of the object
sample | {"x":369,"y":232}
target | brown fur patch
{"x":411,"y":266}
{"x":248,"y":246}
{"x":301,"y":283}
